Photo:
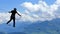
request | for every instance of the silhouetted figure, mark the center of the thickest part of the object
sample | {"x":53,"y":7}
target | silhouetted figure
{"x":13,"y":16}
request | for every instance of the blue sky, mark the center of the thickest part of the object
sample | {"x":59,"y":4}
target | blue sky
{"x":9,"y":4}
{"x":49,"y":2}
{"x":6,"y":5}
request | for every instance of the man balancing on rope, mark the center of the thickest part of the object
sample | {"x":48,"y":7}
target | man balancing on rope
{"x":14,"y":12}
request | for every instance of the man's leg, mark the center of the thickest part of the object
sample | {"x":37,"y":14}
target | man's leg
{"x":13,"y":22}
{"x":9,"y":21}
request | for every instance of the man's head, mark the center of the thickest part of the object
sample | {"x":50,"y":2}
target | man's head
{"x":15,"y":9}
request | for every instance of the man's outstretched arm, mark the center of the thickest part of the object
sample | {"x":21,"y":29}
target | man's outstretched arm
{"x":18,"y":14}
{"x":10,"y":11}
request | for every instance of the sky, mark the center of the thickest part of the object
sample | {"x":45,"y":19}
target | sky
{"x":31,"y":10}
{"x":10,"y":4}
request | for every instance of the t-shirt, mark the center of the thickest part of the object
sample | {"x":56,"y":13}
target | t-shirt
{"x":13,"y":13}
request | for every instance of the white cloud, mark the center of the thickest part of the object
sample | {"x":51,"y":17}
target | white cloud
{"x":57,"y":2}
{"x":4,"y":17}
{"x":41,"y":9}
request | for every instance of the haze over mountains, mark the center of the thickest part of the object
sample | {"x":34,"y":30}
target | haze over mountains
{"x":46,"y":27}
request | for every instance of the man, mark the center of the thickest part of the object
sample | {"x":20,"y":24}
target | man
{"x":14,"y":12}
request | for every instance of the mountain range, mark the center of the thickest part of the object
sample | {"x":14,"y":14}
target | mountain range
{"x":46,"y":27}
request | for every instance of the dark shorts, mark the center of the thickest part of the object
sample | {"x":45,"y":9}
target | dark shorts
{"x":12,"y":17}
